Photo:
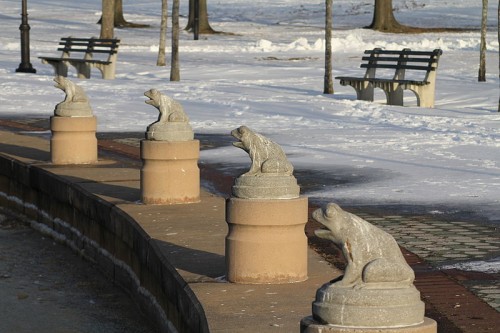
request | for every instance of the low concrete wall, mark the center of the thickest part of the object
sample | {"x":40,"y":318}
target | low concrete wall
{"x":106,"y":235}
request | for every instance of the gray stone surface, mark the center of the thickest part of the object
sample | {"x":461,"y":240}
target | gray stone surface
{"x":47,"y":288}
{"x":373,"y":256}
{"x":172,"y":124}
{"x":309,"y":325}
{"x":270,"y":175}
{"x":75,"y":104}
{"x":380,"y":307}
{"x":377,"y":286}
{"x":267,"y":187}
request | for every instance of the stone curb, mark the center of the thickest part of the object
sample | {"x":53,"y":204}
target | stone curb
{"x":105,"y":235}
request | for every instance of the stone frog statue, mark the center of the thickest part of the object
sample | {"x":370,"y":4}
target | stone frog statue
{"x":173,"y":122}
{"x":76,"y":103}
{"x":373,"y":256}
{"x":170,"y":109}
{"x":267,"y":156}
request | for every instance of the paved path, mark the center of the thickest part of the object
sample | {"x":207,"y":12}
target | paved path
{"x":443,"y":251}
{"x":437,"y":249}
{"x":454,"y":244}
{"x":47,"y":288}
{"x":451,"y":245}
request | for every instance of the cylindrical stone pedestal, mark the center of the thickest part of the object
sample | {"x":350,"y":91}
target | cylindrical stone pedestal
{"x":73,"y":140}
{"x":309,"y":325}
{"x":366,"y":307}
{"x":266,"y":242}
{"x":170,"y":173}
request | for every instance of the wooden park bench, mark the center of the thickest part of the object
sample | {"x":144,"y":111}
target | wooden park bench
{"x":97,"y":53}
{"x":394,"y":71}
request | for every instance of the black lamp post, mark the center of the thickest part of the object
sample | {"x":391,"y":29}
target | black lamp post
{"x":25,"y":65}
{"x":196,"y":25}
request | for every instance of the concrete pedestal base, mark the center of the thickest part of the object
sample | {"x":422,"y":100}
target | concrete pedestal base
{"x":266,"y":242}
{"x":266,"y":187}
{"x":170,"y":173}
{"x":369,"y":306}
{"x":73,"y":140}
{"x":309,"y":325}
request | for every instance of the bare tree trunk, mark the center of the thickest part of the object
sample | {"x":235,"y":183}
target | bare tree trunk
{"x":174,"y":67}
{"x":383,"y":17}
{"x":163,"y":34}
{"x":108,"y":13}
{"x":328,"y":82}
{"x":120,"y":21}
{"x":205,"y":27}
{"x":481,"y":77}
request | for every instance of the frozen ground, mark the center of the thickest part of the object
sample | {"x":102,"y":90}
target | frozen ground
{"x":266,"y":72}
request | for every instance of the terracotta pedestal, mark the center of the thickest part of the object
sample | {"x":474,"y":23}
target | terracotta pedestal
{"x":170,"y":173}
{"x":266,"y":242}
{"x":73,"y":140}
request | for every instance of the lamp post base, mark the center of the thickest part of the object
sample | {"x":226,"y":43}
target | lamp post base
{"x":25,"y":68}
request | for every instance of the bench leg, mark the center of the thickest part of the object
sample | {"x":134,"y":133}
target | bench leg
{"x":83,"y":70}
{"x":364,"y":89}
{"x":395,"y":97}
{"x":107,"y":71}
{"x":365,"y":94}
{"x":426,"y":104}
{"x":425,"y":97}
{"x":60,"y":68}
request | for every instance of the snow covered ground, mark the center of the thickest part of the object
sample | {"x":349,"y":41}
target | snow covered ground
{"x":266,"y":72}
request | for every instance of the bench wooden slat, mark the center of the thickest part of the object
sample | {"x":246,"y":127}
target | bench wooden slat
{"x":400,"y":81}
{"x":398,"y":66}
{"x":361,"y":79}
{"x":103,"y":40}
{"x":437,"y":52}
{"x":104,"y":44}
{"x":89,"y":40}
{"x":87,"y":50}
{"x":77,"y":60}
{"x":95,"y":61}
{"x":87,"y":46}
{"x":396,"y":59}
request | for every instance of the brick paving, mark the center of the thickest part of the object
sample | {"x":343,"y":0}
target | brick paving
{"x":460,"y":300}
{"x":443,"y":244}
{"x":449,"y":294}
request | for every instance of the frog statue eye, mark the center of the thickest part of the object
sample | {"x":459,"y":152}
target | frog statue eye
{"x":243,"y":129}
{"x":331,"y":210}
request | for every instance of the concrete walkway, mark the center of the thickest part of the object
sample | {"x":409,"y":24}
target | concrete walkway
{"x":193,"y":239}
